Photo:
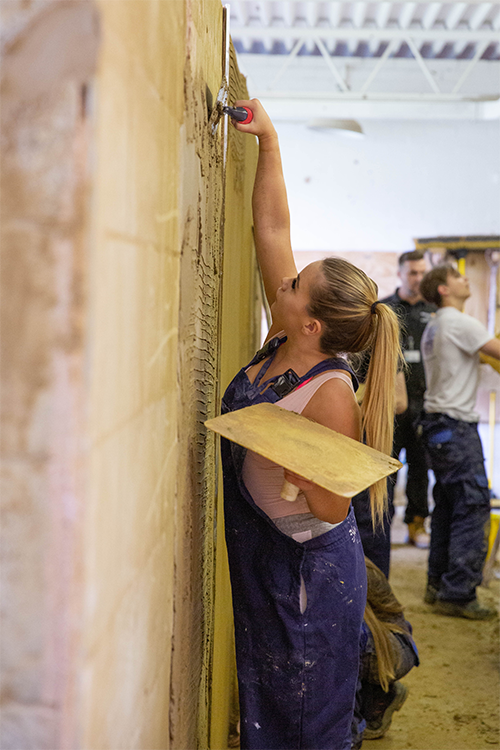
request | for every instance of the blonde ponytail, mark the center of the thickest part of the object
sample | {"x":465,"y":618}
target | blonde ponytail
{"x":383,"y":647}
{"x":377,"y":409}
{"x":383,"y":615}
{"x":345,"y":301}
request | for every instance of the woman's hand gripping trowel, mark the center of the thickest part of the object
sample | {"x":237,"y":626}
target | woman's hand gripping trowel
{"x":289,"y":491}
{"x":242,"y":115}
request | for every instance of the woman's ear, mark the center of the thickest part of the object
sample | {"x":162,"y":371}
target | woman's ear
{"x":312,"y":328}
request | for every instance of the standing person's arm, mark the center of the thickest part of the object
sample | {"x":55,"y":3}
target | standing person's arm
{"x":491,"y":348}
{"x":270,"y":205}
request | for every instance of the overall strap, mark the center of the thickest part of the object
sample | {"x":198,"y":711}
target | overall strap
{"x":279,"y":386}
{"x":335,"y":363}
{"x":269,"y":348}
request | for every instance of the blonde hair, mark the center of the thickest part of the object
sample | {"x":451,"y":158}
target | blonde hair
{"x":381,"y":609}
{"x":345,"y":304}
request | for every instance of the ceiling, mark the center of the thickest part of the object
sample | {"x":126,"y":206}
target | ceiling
{"x":370,"y":59}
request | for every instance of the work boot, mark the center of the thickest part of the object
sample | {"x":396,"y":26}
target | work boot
{"x":473,"y":610}
{"x":431,"y":593}
{"x":417,"y":535}
{"x":380,"y":717}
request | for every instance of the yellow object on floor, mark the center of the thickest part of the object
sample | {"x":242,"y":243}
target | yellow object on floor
{"x":495,"y":523}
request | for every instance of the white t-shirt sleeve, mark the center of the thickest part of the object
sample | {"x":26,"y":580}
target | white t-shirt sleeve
{"x":468,"y":334}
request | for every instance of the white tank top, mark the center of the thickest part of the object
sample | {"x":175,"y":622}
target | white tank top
{"x":263,"y":478}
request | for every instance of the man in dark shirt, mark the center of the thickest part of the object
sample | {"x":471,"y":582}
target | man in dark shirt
{"x":414,"y":313}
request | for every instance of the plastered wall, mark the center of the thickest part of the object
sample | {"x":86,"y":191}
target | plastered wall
{"x":121,"y":225}
{"x":130,"y":523}
{"x":45,"y":185}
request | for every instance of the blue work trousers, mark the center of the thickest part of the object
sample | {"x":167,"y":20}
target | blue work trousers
{"x":462,"y":507}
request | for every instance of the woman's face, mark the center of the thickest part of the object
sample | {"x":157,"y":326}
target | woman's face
{"x":293,"y":295}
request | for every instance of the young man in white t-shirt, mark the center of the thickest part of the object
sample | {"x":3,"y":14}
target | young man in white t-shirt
{"x":450,"y":347}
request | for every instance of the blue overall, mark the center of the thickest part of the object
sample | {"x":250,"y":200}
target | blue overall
{"x":297,"y":673}
{"x":458,"y":539}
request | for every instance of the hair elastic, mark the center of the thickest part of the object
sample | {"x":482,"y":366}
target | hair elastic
{"x":372,"y":308}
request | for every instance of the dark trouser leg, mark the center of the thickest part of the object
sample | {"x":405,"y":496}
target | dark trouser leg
{"x":417,"y":483}
{"x":376,"y":543}
{"x":468,"y":543}
{"x":457,"y":460}
{"x":440,"y":535}
{"x":405,"y":436}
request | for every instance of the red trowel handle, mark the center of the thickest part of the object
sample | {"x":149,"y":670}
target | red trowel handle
{"x":240,"y":114}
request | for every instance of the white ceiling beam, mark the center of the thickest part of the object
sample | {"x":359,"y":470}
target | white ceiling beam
{"x":479,"y":14}
{"x":288,"y":13}
{"x":288,"y":59}
{"x":430,"y":15}
{"x":406,"y":15}
{"x":455,"y":14}
{"x":350,"y":96}
{"x":423,"y":67}
{"x":380,"y":63}
{"x":302,"y":110}
{"x":373,"y":44}
{"x":496,"y":19}
{"x":257,"y":14}
{"x":358,"y":14}
{"x":311,"y":13}
{"x":472,"y":64}
{"x":382,"y":13}
{"x":334,"y":11}
{"x":347,"y":25}
{"x":424,"y":35}
{"x":331,"y":65}
{"x":236,"y":12}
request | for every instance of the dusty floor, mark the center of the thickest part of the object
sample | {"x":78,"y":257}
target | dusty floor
{"x":454,"y":695}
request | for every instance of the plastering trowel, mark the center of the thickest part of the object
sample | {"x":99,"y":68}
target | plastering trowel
{"x":242,"y":115}
{"x":333,"y":461}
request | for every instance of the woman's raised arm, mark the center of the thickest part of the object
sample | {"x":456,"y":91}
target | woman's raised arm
{"x":270,"y":205}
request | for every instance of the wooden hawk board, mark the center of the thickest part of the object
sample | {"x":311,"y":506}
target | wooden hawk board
{"x":334,"y":461}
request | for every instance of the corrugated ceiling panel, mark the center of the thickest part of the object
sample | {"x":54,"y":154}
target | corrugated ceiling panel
{"x":250,"y":19}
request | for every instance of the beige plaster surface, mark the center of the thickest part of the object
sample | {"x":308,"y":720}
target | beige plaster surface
{"x":132,"y":518}
{"x":45,"y":178}
{"x":114,"y":223}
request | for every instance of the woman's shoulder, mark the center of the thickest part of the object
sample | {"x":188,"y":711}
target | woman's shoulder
{"x":333,"y":406}
{"x":333,"y":380}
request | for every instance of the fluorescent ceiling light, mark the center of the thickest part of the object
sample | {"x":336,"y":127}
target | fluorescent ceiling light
{"x":351,"y":128}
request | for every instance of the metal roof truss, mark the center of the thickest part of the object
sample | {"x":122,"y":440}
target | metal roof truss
{"x":393,"y":38}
